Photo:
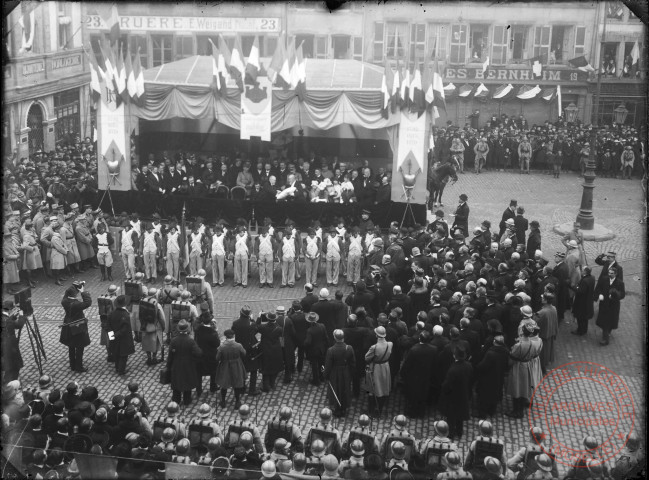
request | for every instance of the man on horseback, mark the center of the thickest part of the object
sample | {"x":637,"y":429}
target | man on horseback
{"x":438,"y":177}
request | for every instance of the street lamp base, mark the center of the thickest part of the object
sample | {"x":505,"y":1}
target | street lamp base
{"x":598,"y":233}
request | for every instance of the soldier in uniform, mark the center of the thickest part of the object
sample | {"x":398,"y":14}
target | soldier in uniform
{"x":398,"y":457}
{"x":153,"y":323}
{"x":206,"y":291}
{"x":333,"y":248}
{"x":326,"y":432}
{"x":289,"y":250}
{"x":170,"y":420}
{"x":181,"y":454}
{"x":150,"y":251}
{"x":129,"y":245}
{"x":214,"y":450}
{"x":524,"y":461}
{"x":245,"y":329}
{"x":280,"y":452}
{"x":399,"y":432}
{"x":546,"y":469}
{"x":580,"y":469}
{"x":630,"y":459}
{"x":166,"y":295}
{"x":484,"y":445}
{"x":357,"y":458}
{"x":454,"y":470}
{"x":361,"y":432}
{"x":134,"y":291}
{"x":236,"y":429}
{"x":102,"y":241}
{"x":171,"y":251}
{"x":241,"y":247}
{"x":312,"y":245}
{"x":182,"y":309}
{"x":201,"y":429}
{"x":315,"y":460}
{"x":265,"y":251}
{"x":106,"y":305}
{"x":283,"y":427}
{"x":432,"y":450}
{"x":197,"y":244}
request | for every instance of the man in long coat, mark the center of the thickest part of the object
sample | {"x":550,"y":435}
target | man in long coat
{"x":340,"y":362}
{"x":315,"y":346}
{"x":360,"y":339}
{"x":490,"y":377}
{"x":122,"y":344}
{"x":462,"y":215}
{"x":272,"y":354}
{"x":58,"y":253}
{"x":75,"y":336}
{"x":378,"y":380}
{"x":245,"y":329}
{"x":525,"y":373}
{"x":230,"y":370}
{"x":561,"y":272}
{"x":582,"y":305}
{"x":207,"y":339}
{"x":609,"y":291}
{"x":327,"y":312}
{"x":84,"y":241}
{"x":455,"y":397}
{"x":546,"y":319}
{"x":184,"y":354}
{"x":416,"y":372}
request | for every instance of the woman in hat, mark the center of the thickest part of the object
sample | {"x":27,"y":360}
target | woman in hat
{"x":378,"y":381}
{"x":67,"y":234}
{"x":525,"y":372}
{"x":58,"y":252}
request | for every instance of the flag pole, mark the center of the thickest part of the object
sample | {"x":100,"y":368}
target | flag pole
{"x":181,"y":244}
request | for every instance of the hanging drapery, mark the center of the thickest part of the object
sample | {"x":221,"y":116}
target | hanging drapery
{"x":548,"y":94}
{"x":527,"y":93}
{"x":502,"y":91}
{"x":465,"y":91}
{"x":481,"y":91}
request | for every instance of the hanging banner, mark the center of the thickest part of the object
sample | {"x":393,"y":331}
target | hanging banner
{"x":113,"y":158}
{"x":410,"y":164}
{"x":256,"y":109}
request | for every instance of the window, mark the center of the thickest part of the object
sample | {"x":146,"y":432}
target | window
{"x":66,"y":109}
{"x":437,"y":41}
{"x":139,"y":41}
{"x":479,"y":41}
{"x":321,"y":46}
{"x":341,"y":46}
{"x":417,"y":44}
{"x":395,"y":39}
{"x":542,"y":43}
{"x":518,"y":42}
{"x":580,"y":41}
{"x":65,"y":25}
{"x":357,"y":52}
{"x":378,"y":42}
{"x":161,"y":49}
{"x":308,"y":45}
{"x":499,"y":48}
{"x":184,"y":47}
{"x":607,"y":117}
{"x":609,"y":58}
{"x":558,"y":43}
{"x":614,"y":10}
{"x":458,"y":43}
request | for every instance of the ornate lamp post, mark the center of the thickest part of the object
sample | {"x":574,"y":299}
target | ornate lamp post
{"x":571,"y":113}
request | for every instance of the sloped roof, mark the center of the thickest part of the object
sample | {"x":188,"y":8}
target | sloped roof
{"x":321,"y":74}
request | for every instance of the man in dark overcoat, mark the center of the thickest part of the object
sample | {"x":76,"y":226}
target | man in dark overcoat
{"x":607,"y":260}
{"x":119,"y":322}
{"x":582,"y":305}
{"x":207,"y":339}
{"x":561,"y":272}
{"x":327,"y":313}
{"x":461,"y":215}
{"x":455,"y":397}
{"x":360,"y":339}
{"x":245,"y":329}
{"x":75,"y":336}
{"x":609,"y":291}
{"x":272,"y":354}
{"x":12,"y":360}
{"x":184,"y":355}
{"x":490,"y":377}
{"x":510,"y":212}
{"x":534,"y":239}
{"x":340,"y":362}
{"x":315,"y":346}
{"x":416,"y":372}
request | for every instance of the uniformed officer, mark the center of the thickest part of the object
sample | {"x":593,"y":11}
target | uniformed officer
{"x":134,"y":291}
{"x":484,"y":445}
{"x":524,"y":461}
{"x":153,"y":323}
{"x":166,"y":295}
{"x":327,"y":432}
{"x":364,"y":433}
{"x":182,"y":309}
{"x":314,"y":462}
{"x":170,"y":420}
{"x":433,"y":450}
{"x":454,"y":470}
{"x":167,"y":440}
{"x":214,"y":450}
{"x":283,"y":427}
{"x":280,"y":454}
{"x":181,"y":454}
{"x":243,"y":424}
{"x":206,"y":291}
{"x":629,"y":460}
{"x":202,"y":428}
{"x":398,"y":432}
{"x":357,"y":458}
{"x":398,"y":453}
{"x":106,"y":305}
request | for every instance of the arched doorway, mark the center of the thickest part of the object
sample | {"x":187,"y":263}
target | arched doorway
{"x":35,"y":123}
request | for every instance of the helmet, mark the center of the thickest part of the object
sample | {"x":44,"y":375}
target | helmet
{"x":168,"y":279}
{"x":339,"y":335}
{"x":45,"y":381}
{"x":330,"y":463}
{"x":185,"y":294}
{"x":486,"y":429}
{"x":112,"y":288}
{"x":182,"y":447}
{"x":139,"y":276}
{"x":204,"y":410}
{"x":280,"y":445}
{"x":325,"y":414}
{"x":201,"y":273}
{"x":544,"y":462}
{"x":590,"y":442}
{"x":510,"y":221}
{"x":364,"y":421}
{"x":172,"y":408}
{"x":152,"y":292}
{"x":595,"y":467}
{"x":136,"y":402}
{"x":174,"y":293}
{"x":400,"y":421}
{"x":285,"y":413}
{"x":299,"y":461}
{"x":244,"y":411}
{"x":268,"y":469}
{"x":537,"y":434}
{"x":318,"y":448}
{"x":213,"y":443}
{"x":441,"y":428}
{"x":492,"y":465}
{"x":357,"y":447}
{"x":453,"y":460}
{"x":246,"y":440}
{"x":168,"y":435}
{"x":398,"y":450}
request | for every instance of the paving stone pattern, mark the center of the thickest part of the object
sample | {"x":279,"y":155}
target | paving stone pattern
{"x":618,"y":205}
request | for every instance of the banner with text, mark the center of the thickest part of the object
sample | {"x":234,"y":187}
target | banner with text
{"x":113,"y":145}
{"x":410,"y":164}
{"x":256,"y":110}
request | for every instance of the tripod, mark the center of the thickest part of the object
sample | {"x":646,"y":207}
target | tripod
{"x":23,"y":299}
{"x":110,"y":198}
{"x":405,"y":212}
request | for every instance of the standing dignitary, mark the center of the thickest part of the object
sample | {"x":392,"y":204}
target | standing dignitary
{"x":230,"y":370}
{"x":272,"y":355}
{"x":546,"y":319}
{"x":490,"y":376}
{"x":455,"y":397}
{"x":245,"y":329}
{"x":609,"y":292}
{"x":74,"y":333}
{"x":207,"y":339}
{"x":582,"y":305}
{"x":461,"y":215}
{"x":525,"y":372}
{"x":184,"y":354}
{"x":315,"y":347}
{"x":241,"y":252}
{"x":340,"y":362}
{"x":417,"y":372}
{"x":265,"y":250}
{"x":122,"y":336}
{"x":378,"y":380}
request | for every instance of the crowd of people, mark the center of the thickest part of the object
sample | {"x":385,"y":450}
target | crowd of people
{"x":461,"y":319}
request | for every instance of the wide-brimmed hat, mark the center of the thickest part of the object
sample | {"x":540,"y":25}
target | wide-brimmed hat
{"x":312,"y":317}
{"x":380,"y":332}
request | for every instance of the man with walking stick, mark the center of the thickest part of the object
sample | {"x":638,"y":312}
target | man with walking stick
{"x":340,"y":362}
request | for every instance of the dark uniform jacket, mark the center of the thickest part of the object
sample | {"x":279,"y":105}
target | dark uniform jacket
{"x":74,"y":311}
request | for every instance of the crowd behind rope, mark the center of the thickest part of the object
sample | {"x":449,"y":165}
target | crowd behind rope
{"x":461,"y":319}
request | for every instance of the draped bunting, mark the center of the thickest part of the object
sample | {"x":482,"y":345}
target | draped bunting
{"x":450,"y":90}
{"x":527,"y":93}
{"x":502,"y":91}
{"x":548,"y":94}
{"x":481,"y":91}
{"x":465,"y":91}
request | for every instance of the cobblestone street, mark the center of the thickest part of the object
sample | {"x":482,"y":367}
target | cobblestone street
{"x":618,"y":205}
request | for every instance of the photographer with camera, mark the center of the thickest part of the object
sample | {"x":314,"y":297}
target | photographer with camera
{"x":12,"y":321}
{"x":74,"y":331}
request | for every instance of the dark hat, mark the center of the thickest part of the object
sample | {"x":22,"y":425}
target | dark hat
{"x":271,"y":317}
{"x":312,"y":317}
{"x":513,"y":203}
{"x":439,"y":213}
{"x":464,"y":197}
{"x":534,"y":223}
{"x":365,"y":212}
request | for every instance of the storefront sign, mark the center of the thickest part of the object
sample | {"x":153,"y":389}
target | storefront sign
{"x":175,"y":24}
{"x":33,"y":68}
{"x":65,"y":62}
{"x":513,"y":74}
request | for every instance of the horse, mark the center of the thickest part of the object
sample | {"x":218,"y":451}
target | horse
{"x":437,"y":180}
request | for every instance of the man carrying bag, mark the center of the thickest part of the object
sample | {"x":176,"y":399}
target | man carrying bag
{"x":74,"y":331}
